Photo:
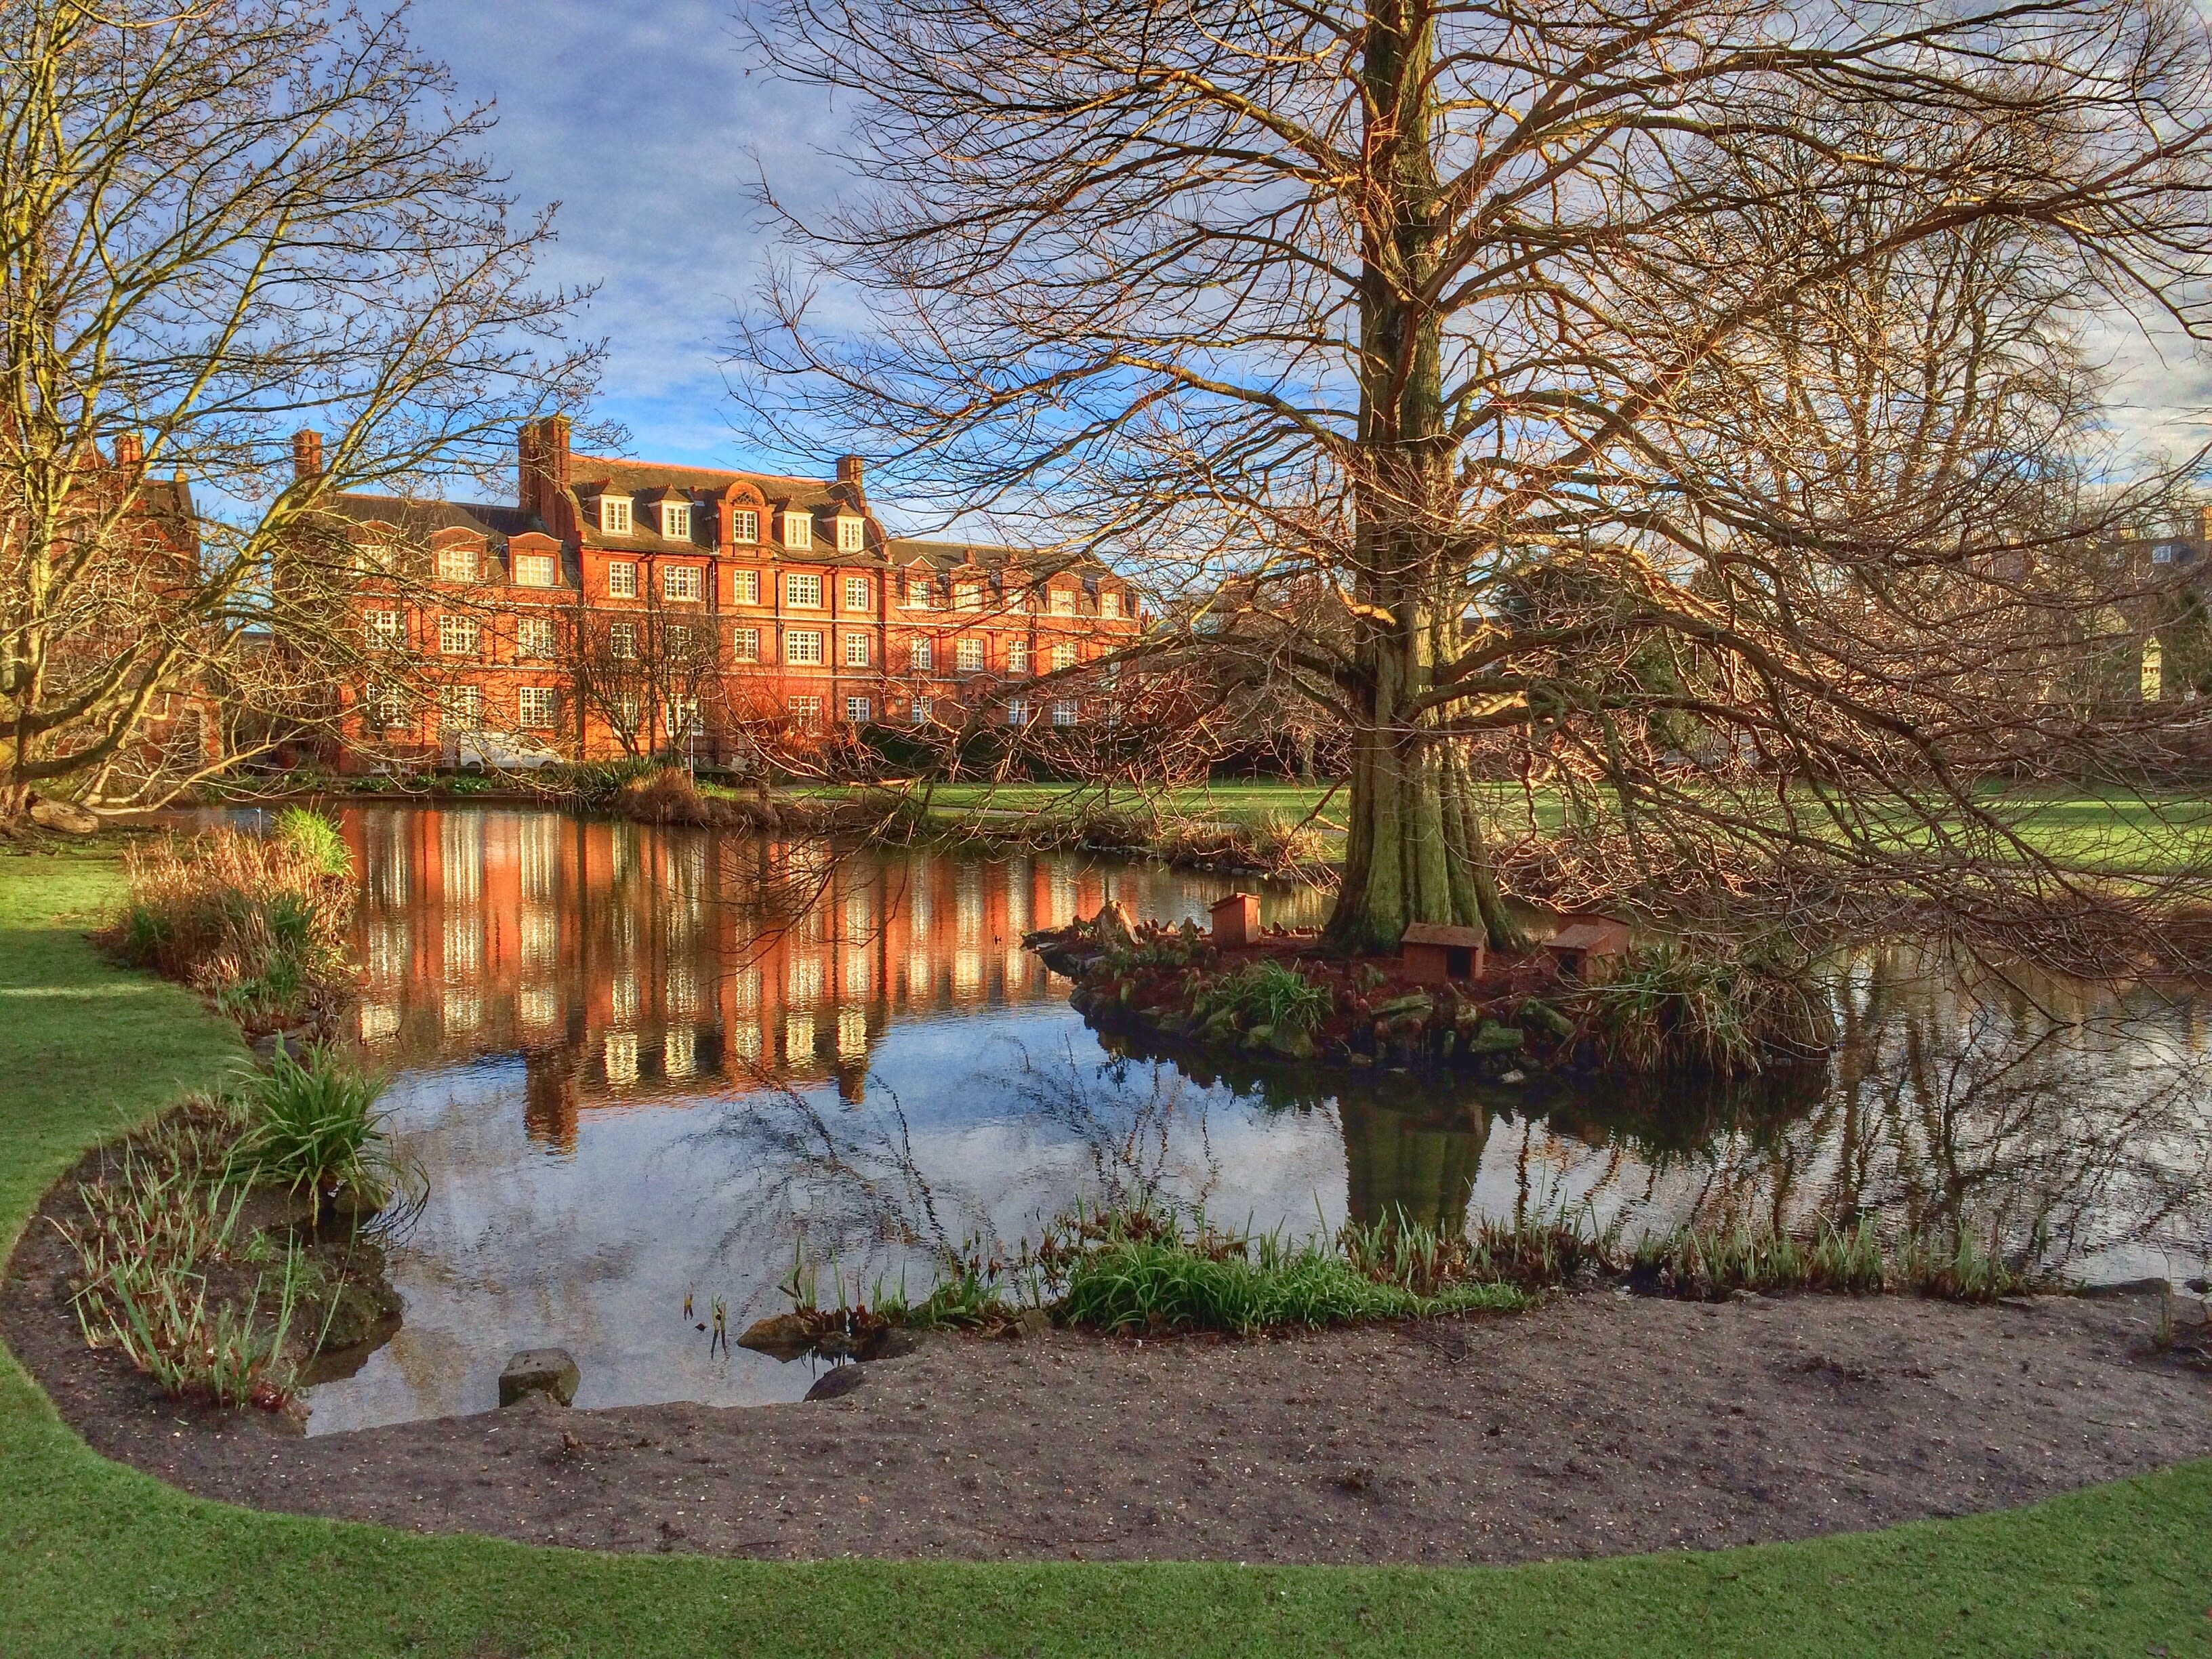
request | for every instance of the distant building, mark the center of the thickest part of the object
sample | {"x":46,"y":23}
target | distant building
{"x":771,"y":604}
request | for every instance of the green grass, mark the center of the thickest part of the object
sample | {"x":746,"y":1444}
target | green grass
{"x":2106,"y":833}
{"x":96,"y":1558}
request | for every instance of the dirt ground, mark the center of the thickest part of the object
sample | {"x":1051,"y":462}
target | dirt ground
{"x":1599,"y":1424}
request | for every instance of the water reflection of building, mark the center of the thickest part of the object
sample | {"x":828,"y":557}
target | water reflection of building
{"x":627,"y":962}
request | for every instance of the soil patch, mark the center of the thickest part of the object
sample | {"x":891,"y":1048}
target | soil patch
{"x":1599,"y":1424}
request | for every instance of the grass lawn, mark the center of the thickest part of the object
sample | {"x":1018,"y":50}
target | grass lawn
{"x":95,"y":1558}
{"x":2105,"y":833}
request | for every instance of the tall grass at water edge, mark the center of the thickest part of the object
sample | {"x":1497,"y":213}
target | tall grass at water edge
{"x":1153,"y":1265}
{"x":259,"y":924}
{"x":312,"y":1129}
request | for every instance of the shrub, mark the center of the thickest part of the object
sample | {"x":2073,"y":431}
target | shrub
{"x":1140,"y":1285}
{"x":257,"y":924}
{"x":315,"y":839}
{"x":314,"y":1128}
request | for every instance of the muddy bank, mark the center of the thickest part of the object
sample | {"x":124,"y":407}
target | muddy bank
{"x":1599,"y":1424}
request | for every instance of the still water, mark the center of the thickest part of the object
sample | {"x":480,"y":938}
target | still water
{"x":639,"y":1065}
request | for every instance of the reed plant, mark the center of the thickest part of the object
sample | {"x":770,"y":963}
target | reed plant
{"x":314,"y":838}
{"x":311,"y":1126}
{"x":259,"y":924}
{"x":158,"y":1220}
{"x":1271,"y":994}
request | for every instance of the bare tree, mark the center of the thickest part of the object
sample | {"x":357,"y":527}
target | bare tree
{"x":222,"y":222}
{"x":651,"y":675}
{"x":1682,"y":406}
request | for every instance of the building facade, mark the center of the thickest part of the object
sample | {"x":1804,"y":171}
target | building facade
{"x":636,"y":607}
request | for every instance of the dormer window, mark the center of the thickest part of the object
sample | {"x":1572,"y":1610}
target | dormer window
{"x":967,"y":596}
{"x":457,"y":564}
{"x":614,"y":515}
{"x":1061,"y":601}
{"x":1109,"y":603}
{"x":798,"y":530}
{"x":919,"y":595}
{"x":675,"y":520}
{"x":852,"y":535}
{"x":745,"y":525}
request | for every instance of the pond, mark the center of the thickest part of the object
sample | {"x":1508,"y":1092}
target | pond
{"x":643,"y":1067}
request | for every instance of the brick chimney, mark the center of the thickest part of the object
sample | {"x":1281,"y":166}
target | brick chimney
{"x":541,"y":456}
{"x":850,"y":469}
{"x":129,"y":451}
{"x":307,"y":454}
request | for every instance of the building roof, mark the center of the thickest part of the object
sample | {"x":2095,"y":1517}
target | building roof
{"x":952,"y":556}
{"x":422,"y":518}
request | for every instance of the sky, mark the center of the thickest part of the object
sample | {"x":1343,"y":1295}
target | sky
{"x":641,"y":119}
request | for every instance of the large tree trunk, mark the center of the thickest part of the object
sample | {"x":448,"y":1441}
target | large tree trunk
{"x":1415,"y":852}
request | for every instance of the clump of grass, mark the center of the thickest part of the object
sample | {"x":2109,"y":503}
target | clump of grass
{"x":1271,"y":994}
{"x":1669,"y":1009}
{"x":259,"y":925}
{"x":1164,"y":1285}
{"x":315,"y":838}
{"x":313,"y":1127}
{"x":1708,"y":1263}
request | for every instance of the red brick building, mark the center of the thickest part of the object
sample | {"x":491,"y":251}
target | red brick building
{"x":774,"y":605}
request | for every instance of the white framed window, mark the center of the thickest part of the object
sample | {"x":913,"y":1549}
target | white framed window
{"x":387,"y":706}
{"x":677,"y":638}
{"x":802,"y":645}
{"x":798,"y":530}
{"x":1060,"y":601}
{"x":626,"y":711}
{"x":745,"y":525}
{"x":967,"y":596}
{"x":614,"y":515}
{"x":1018,"y":600}
{"x":1017,"y":656}
{"x":856,"y":650}
{"x":457,"y":564}
{"x":856,"y":711}
{"x":533,"y":570}
{"x":744,"y":644}
{"x":803,"y":592}
{"x":457,"y":635}
{"x":1063,"y":711}
{"x":918,"y":655}
{"x":1110,"y":605}
{"x":622,"y":640}
{"x":921,"y":594}
{"x":918,"y":713}
{"x":384,"y":628}
{"x":857,"y":593}
{"x":806,"y":711}
{"x":681,"y":581}
{"x":744,"y":588}
{"x":1063,"y":656}
{"x":968,"y":656}
{"x":622,"y":581}
{"x":1018,"y":712}
{"x":852,"y":535}
{"x":683,"y":715}
{"x":538,"y":707}
{"x":533,"y":636}
{"x":461,"y":708}
{"x":675,"y":520}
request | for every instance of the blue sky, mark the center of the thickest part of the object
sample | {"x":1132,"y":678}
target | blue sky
{"x":640,"y":118}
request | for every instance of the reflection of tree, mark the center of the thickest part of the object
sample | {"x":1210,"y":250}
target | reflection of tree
{"x":1410,"y":1163}
{"x":847,"y":1183}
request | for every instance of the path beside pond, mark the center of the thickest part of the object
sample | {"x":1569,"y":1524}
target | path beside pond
{"x":1600,"y":1425}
